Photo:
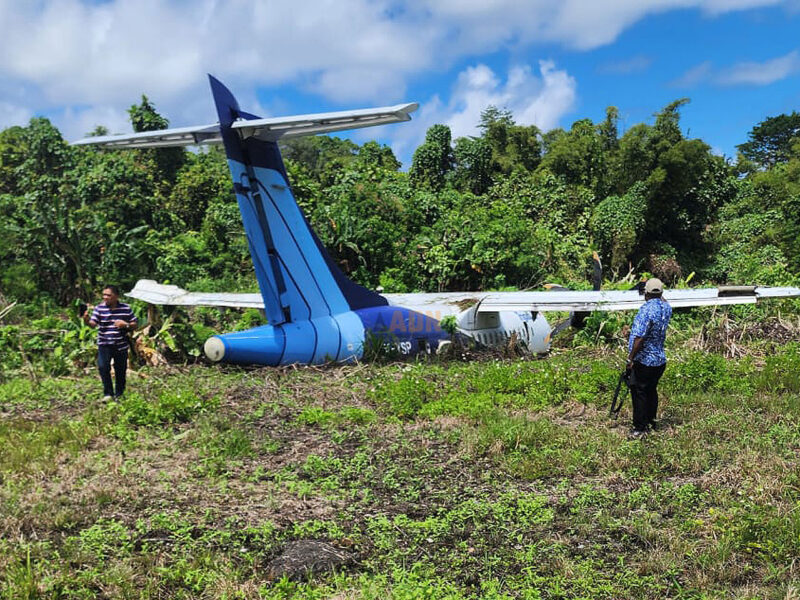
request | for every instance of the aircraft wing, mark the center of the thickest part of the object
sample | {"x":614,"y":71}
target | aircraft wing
{"x":454,"y":302}
{"x":171,"y":295}
{"x":271,"y":129}
{"x":589,"y":301}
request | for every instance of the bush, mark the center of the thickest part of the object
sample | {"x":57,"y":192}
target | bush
{"x":781,"y":373}
{"x":405,"y":397}
{"x":617,"y":222}
{"x":699,"y":371}
{"x":170,"y":407}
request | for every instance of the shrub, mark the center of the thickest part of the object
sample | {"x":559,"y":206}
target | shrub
{"x":616,"y":223}
{"x":170,"y":407}
{"x":698,"y":371}
{"x":406,"y":396}
{"x":781,"y":373}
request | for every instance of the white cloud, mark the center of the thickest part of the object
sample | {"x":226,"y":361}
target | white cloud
{"x":715,"y":7}
{"x":635,"y":64}
{"x":743,"y":73}
{"x":576,"y":23}
{"x":11,"y":114}
{"x":83,"y":53}
{"x":73,"y":53}
{"x":556,"y":98}
{"x":75,"y":124}
{"x":533,"y":100}
{"x":347,"y":84}
{"x":761,"y":73}
{"x":698,"y":74}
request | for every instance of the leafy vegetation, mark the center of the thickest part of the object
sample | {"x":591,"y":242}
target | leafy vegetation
{"x":499,"y":478}
{"x":511,"y":207}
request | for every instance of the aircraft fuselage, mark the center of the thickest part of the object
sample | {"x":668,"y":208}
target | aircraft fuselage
{"x":347,"y":336}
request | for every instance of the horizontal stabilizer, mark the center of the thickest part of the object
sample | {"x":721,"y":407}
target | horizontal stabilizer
{"x":163,"y":138}
{"x":152,"y":292}
{"x":270,"y":129}
{"x":273,"y":129}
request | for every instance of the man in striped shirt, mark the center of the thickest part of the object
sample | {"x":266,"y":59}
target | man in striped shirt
{"x":113,"y":319}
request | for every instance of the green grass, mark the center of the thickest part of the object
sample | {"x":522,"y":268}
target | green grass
{"x":493,"y":479}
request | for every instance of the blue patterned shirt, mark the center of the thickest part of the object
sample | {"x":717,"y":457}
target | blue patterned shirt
{"x":651,"y":324}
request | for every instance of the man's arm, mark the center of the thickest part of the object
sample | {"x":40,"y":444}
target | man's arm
{"x":130,"y":324}
{"x":87,"y":317}
{"x":637,"y":345}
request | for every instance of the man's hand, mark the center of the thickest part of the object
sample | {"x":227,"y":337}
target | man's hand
{"x":120,"y":324}
{"x":87,"y":313}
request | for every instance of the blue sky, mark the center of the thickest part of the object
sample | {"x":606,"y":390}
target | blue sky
{"x":550,"y":62}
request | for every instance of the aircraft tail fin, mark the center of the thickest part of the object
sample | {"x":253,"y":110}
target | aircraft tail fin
{"x":296,"y":275}
{"x":297,"y":278}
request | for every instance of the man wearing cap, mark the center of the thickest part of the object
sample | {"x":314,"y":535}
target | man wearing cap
{"x":646,"y":357}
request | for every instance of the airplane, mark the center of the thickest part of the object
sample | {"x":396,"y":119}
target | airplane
{"x":315,"y":313}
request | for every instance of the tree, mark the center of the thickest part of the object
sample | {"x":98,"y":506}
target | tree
{"x":770,"y":142}
{"x":204,"y":180}
{"x":608,"y":129}
{"x":617,"y":224}
{"x":550,"y":138}
{"x":514,"y":147}
{"x":473,"y":159}
{"x":667,"y":126}
{"x":98,"y":131}
{"x":12,"y":154}
{"x":373,"y":154}
{"x":433,"y":160}
{"x":578,"y":156}
{"x":56,"y":234}
{"x":634,"y":160}
{"x":324,"y":157}
{"x":144,"y":117}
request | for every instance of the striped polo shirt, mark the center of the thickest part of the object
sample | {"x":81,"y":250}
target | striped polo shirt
{"x":108,"y":334}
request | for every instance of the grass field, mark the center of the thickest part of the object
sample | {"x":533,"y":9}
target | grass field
{"x":490,"y":479}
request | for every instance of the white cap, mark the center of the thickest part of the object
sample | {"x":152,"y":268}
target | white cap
{"x":653,"y":286}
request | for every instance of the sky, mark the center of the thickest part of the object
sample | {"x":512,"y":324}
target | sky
{"x":82,"y":63}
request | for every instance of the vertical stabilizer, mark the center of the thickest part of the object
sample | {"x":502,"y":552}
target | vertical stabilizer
{"x":297,"y":278}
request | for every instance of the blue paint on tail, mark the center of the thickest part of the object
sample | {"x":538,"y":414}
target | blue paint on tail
{"x":296,"y":275}
{"x":308,"y":301}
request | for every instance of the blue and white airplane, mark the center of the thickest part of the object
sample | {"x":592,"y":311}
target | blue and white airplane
{"x":315,"y":313}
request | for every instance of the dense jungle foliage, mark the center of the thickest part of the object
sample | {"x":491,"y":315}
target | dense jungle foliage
{"x":513,"y":207}
{"x":500,"y":478}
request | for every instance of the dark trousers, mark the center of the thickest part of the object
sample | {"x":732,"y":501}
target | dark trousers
{"x":106,"y":354}
{"x":644,"y":383}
